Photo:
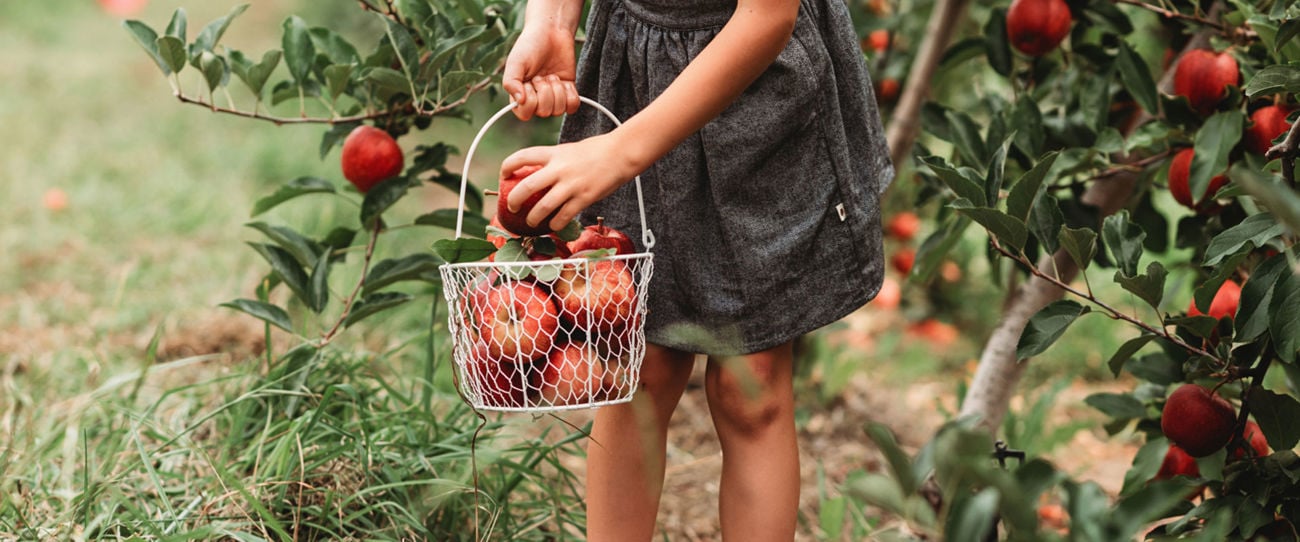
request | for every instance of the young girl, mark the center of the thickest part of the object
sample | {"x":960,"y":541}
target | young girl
{"x":753,"y":126}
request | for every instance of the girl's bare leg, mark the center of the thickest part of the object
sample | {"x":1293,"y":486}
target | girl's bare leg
{"x":751,"y":399}
{"x":626,"y":454}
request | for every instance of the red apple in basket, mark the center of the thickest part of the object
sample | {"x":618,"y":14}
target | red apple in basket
{"x":596,"y":296}
{"x":517,"y":221}
{"x":517,"y":320}
{"x":538,"y":248}
{"x":572,"y":374}
{"x":497,"y":384}
{"x":598,"y":236}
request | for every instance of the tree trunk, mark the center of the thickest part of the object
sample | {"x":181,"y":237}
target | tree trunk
{"x":905,"y":121}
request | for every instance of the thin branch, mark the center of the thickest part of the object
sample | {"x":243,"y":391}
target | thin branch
{"x":1287,"y":151}
{"x":1114,"y":313}
{"x":347,"y":305}
{"x":470,"y":91}
{"x":1171,"y":14}
{"x":1117,"y":169}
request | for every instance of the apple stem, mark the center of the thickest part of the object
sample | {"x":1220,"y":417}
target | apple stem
{"x":492,"y":192}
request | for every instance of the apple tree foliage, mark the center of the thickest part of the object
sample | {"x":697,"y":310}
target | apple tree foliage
{"x":1015,"y":159}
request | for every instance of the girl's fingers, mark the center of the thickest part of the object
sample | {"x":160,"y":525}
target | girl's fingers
{"x":539,"y":180}
{"x":571,"y":101}
{"x":528,"y":107}
{"x":545,"y":96}
{"x":567,"y":213}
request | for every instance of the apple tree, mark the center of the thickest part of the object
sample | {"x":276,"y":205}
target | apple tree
{"x":1152,"y":144}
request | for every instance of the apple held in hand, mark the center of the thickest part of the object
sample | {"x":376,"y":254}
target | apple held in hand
{"x":599,"y":236}
{"x":596,"y":296}
{"x":1203,"y":77}
{"x":571,"y":375}
{"x":517,"y":221}
{"x":1197,"y":420}
{"x":517,"y":320}
{"x":1035,"y":27}
{"x":370,"y":156}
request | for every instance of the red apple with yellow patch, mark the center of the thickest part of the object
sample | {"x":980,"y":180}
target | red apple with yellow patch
{"x":595,"y":296}
{"x":517,"y":320}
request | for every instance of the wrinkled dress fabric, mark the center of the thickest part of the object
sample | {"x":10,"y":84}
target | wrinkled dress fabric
{"x":767,"y":220}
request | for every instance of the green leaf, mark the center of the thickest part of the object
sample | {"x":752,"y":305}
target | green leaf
{"x":1028,"y":120}
{"x":1025,"y":192}
{"x":1275,"y":79}
{"x":966,"y":137}
{"x":211,"y":35}
{"x":266,"y":312}
{"x":1276,"y":415}
{"x":1126,"y":351}
{"x":414,"y":267}
{"x":177,"y":26}
{"x":1046,"y":221}
{"x":1124,"y":240}
{"x":964,"y":186}
{"x":1284,"y":312}
{"x":172,"y":51}
{"x":292,"y":189}
{"x":1138,"y":510}
{"x":1135,"y":75}
{"x":288,"y":269}
{"x":1254,"y":232}
{"x":1253,"y":317}
{"x":213,"y":68}
{"x":374,"y":304}
{"x":298,"y":50}
{"x":1288,"y":30}
{"x":1081,"y":243}
{"x":1010,"y":232}
{"x":334,"y":46}
{"x":389,"y":80}
{"x":1146,"y":463}
{"x":381,"y":197}
{"x":899,"y":464}
{"x":473,"y":224}
{"x":1045,"y":327}
{"x":1120,"y":406}
{"x":1150,"y":287}
{"x":336,"y":79}
{"x":1280,"y":200}
{"x":996,"y":44}
{"x":1214,"y":142}
{"x":255,"y":75}
{"x":459,"y":80}
{"x":1204,"y":294}
{"x":148,"y":40}
{"x":571,"y":231}
{"x":937,"y":246}
{"x":320,"y":285}
{"x":304,"y":250}
{"x":971,"y":519}
{"x":995,"y":176}
{"x":408,"y":54}
{"x":465,"y":249}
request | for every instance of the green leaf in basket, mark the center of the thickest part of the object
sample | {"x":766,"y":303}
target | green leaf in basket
{"x":462,"y":250}
{"x":571,"y":231}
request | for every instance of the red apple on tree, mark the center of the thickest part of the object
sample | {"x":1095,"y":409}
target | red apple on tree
{"x":370,"y":155}
{"x":1180,"y":172}
{"x":596,"y":296}
{"x":1035,"y":27}
{"x":903,"y":260}
{"x":572,"y":374}
{"x":903,"y":226}
{"x":599,"y":236}
{"x":1203,"y":77}
{"x":1177,"y":463}
{"x":1268,"y":123}
{"x":1224,"y":303}
{"x":517,"y":320}
{"x":1252,"y":437}
{"x":517,"y":221}
{"x":1198,"y":420}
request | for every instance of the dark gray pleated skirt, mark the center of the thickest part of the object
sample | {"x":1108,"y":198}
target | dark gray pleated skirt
{"x":767,"y":220}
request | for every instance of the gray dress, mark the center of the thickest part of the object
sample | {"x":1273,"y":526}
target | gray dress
{"x":767,"y":220}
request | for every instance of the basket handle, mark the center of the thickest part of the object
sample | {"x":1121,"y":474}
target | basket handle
{"x":647,"y":237}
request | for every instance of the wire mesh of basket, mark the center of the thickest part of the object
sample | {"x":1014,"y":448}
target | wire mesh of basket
{"x":555,"y":334}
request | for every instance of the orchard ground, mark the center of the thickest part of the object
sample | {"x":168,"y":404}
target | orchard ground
{"x":122,"y":215}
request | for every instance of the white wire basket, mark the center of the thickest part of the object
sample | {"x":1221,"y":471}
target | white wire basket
{"x":549,"y":335}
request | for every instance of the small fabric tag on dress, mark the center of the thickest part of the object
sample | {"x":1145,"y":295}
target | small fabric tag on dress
{"x":839,"y":209}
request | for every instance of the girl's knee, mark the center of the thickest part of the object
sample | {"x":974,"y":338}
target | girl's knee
{"x":665,"y":371}
{"x":750,"y":393}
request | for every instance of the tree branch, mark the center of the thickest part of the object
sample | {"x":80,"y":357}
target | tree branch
{"x":1287,"y":151}
{"x":1113,"y":313}
{"x":352,"y":298}
{"x":1170,"y":14}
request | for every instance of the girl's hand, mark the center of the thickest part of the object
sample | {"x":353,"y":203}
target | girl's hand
{"x":540,"y":71}
{"x":578,"y":174}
